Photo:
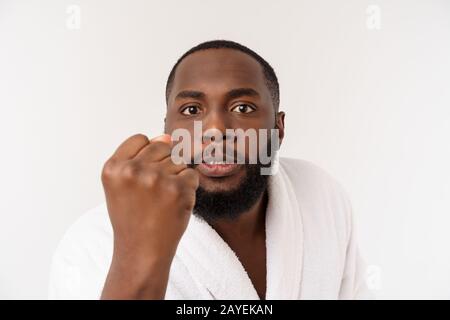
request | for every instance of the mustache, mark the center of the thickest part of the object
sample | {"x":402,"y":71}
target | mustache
{"x":243,"y":160}
{"x":227,"y":153}
{"x":229,"y":157}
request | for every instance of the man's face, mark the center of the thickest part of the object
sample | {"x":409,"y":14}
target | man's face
{"x":224,"y":89}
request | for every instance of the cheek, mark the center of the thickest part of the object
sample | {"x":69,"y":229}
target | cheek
{"x":172,"y":123}
{"x":255,"y":144}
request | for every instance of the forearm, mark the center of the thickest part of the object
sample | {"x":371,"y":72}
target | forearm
{"x":136,"y":279}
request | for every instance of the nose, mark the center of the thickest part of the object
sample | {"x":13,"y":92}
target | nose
{"x":214,"y":122}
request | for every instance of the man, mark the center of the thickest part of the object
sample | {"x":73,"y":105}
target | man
{"x":212,"y":230}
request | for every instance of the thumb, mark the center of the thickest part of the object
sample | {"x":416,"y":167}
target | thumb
{"x":165,"y":138}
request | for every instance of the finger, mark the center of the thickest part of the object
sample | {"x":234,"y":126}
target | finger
{"x":166,"y":138}
{"x":190,"y":177}
{"x":130,"y":147}
{"x":155,"y":151}
{"x":171,"y":167}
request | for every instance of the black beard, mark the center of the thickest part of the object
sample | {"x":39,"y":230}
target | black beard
{"x":213,"y":205}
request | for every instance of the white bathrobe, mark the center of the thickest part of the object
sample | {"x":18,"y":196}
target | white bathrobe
{"x":310,"y":242}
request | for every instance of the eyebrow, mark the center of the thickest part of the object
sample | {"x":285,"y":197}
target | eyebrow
{"x":232,"y":94}
{"x":190,"y":94}
{"x":236,"y":93}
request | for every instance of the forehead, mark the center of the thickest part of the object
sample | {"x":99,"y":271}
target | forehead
{"x":219,"y":70}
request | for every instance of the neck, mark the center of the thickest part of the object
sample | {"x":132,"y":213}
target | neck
{"x":248,"y":225}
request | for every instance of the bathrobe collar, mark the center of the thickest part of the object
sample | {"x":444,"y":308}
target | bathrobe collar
{"x":216,"y":269}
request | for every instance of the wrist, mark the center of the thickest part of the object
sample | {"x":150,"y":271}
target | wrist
{"x":137,"y":277}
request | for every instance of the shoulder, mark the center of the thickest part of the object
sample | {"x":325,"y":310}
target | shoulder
{"x":80,"y":262}
{"x":302,"y":172}
{"x":318,"y":191}
{"x":89,"y":231}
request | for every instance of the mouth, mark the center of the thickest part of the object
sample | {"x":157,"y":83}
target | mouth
{"x":218,"y":168}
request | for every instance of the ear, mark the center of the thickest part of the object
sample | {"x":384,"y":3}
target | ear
{"x":279,"y":124}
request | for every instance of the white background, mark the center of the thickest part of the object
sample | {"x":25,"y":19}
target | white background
{"x":372,"y":107}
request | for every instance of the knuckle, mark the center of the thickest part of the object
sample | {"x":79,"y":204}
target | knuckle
{"x":151,"y":178}
{"x":130,"y":171}
{"x":109,"y":170}
{"x":173,"y":189}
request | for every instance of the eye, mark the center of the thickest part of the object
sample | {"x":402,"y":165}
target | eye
{"x":190,"y":110}
{"x":243,"y":108}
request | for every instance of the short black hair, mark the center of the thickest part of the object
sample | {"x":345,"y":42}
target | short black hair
{"x":269,"y":73}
